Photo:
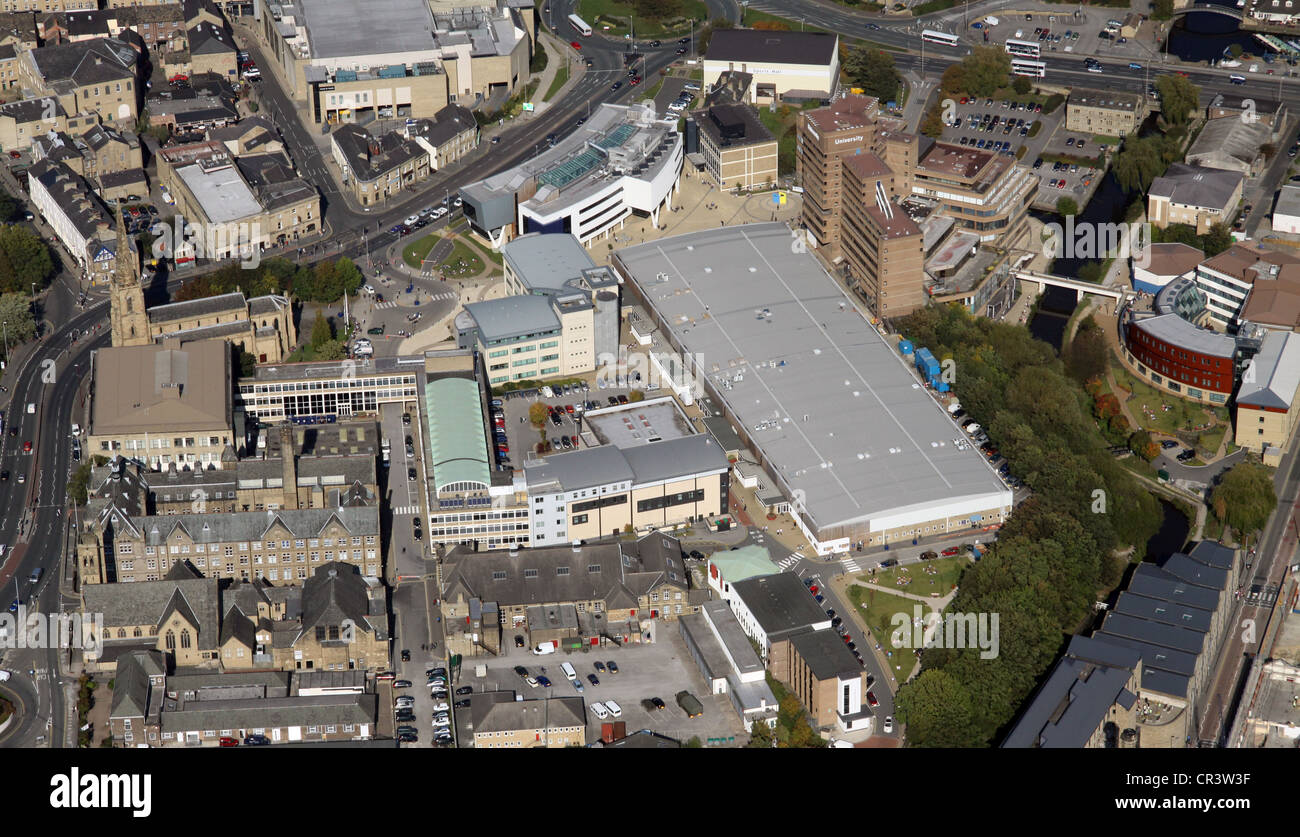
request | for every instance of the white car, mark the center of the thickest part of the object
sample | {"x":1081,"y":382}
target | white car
{"x":405,"y":702}
{"x":4,"y":675}
{"x":412,"y":220}
{"x":441,"y":722}
{"x":598,"y":709}
{"x":531,"y":681}
{"x":76,"y":429}
{"x":889,"y":724}
{"x":441,"y":707}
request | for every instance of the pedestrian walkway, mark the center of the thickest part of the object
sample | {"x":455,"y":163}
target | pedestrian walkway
{"x":936,"y":603}
{"x":850,"y":566}
{"x":406,"y":510}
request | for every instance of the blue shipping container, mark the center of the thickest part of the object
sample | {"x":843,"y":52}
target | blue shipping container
{"x":905,"y":347}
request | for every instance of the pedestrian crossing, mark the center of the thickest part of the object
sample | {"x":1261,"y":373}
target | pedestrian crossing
{"x":392,"y":303}
{"x":850,"y":566}
{"x":406,"y":510}
{"x":787,"y":562}
{"x":389,"y":304}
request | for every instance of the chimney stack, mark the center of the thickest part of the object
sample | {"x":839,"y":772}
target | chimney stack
{"x":289,"y":468}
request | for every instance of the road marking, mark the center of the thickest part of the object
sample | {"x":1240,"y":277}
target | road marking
{"x":406,"y":510}
{"x":850,"y":565}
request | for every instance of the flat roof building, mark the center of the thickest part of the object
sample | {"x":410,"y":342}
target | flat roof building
{"x":773,"y":608}
{"x":784,"y":64}
{"x":859,"y":448}
{"x":739,"y":151}
{"x":1105,"y":112}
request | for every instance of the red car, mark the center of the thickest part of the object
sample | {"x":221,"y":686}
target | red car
{"x":871,"y":699}
{"x":813,"y":589}
{"x":637,"y":80}
{"x":227,"y":741}
{"x":15,"y":154}
{"x":27,"y":447}
{"x":1181,"y":73}
{"x":950,"y":551}
{"x":568,"y":408}
{"x":575,"y":45}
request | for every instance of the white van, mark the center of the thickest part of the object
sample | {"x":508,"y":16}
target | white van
{"x":567,"y":668}
{"x":598,"y":709}
{"x":614,"y":709}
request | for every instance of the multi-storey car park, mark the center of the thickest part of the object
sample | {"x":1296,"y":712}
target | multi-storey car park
{"x":862,"y":452}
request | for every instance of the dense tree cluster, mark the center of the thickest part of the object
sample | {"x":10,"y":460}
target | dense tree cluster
{"x":1055,"y":552}
{"x":24,"y":259}
{"x":1244,"y":497}
{"x":322,"y":282}
{"x":873,"y":70}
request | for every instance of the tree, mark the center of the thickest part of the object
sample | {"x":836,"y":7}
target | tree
{"x":1163,"y":10}
{"x":1143,"y":159}
{"x":1143,"y":445}
{"x":635,"y":396}
{"x":27,"y":260}
{"x":537,"y":414}
{"x":1021,"y":85}
{"x":873,"y":70}
{"x":953,"y":80}
{"x":1066,"y":206}
{"x":321,"y":331}
{"x":1179,"y":98}
{"x":932,"y":122}
{"x":1087,"y":356}
{"x":1244,"y":497}
{"x":8,"y":206}
{"x":760,"y":736}
{"x":986,"y":70}
{"x":694,"y":743}
{"x":937,"y":710}
{"x":16,"y":313}
{"x":1218,"y":239}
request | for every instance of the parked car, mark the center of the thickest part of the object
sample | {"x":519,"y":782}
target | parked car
{"x":544,"y":682}
{"x":401,"y":684}
{"x":593,"y":679}
{"x":613,"y":667}
{"x":871,"y":700}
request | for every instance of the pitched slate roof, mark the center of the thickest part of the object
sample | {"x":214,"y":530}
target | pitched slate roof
{"x":151,"y":602}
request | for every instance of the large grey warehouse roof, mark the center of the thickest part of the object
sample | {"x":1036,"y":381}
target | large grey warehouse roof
{"x":833,"y":408}
{"x":338,"y":28}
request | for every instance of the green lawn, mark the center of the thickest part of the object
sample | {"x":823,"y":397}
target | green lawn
{"x":943,"y":574}
{"x":878,"y":610}
{"x":561,"y":76}
{"x":610,"y":13}
{"x":463,"y":261}
{"x":417,"y":251}
{"x":1162,"y":412}
{"x":782,"y":125}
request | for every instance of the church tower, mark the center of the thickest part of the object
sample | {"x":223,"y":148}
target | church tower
{"x":127,"y":316}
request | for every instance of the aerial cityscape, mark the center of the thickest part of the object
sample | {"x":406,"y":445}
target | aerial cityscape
{"x":652,"y":374}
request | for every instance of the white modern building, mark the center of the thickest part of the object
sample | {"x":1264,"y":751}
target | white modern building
{"x":787,"y":65}
{"x":623,"y":160}
{"x":1286,"y":212}
{"x":774,"y":607}
{"x":65,"y":201}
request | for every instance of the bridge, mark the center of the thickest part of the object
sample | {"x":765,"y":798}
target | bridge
{"x":1079,"y":287}
{"x":1212,"y":8}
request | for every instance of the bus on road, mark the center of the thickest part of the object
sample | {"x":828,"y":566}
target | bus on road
{"x":1025,"y":49}
{"x":581,"y":25}
{"x":1027,"y":67}
{"x":939,"y":37}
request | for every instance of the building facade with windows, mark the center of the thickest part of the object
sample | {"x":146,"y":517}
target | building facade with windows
{"x":281,"y":546}
{"x":341,"y":388}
